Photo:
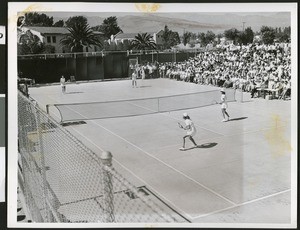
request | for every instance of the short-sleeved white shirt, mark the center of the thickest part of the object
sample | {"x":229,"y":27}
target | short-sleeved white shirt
{"x":192,"y":129}
{"x":62,"y":81}
{"x":223,"y":101}
{"x":133,"y":76}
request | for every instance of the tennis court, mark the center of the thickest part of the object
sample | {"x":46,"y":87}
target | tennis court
{"x":239,"y":174}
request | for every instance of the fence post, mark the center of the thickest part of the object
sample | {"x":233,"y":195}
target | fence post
{"x":106,"y":159}
{"x":242,"y":96}
{"x":43,"y":167}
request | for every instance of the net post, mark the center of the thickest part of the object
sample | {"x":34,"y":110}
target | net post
{"x":106,"y":159}
{"x":47,"y":109}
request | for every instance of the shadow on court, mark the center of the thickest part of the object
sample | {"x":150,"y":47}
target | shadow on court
{"x":72,"y":92}
{"x":207,"y":145}
{"x":144,"y":86}
{"x":238,"y":118}
{"x":203,"y":146}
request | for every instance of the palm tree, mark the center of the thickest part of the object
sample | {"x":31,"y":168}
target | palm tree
{"x":81,"y":35}
{"x":143,"y":41}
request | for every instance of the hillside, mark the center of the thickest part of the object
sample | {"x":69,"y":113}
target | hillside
{"x":193,"y":22}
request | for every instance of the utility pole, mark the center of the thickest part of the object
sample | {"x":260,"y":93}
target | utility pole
{"x":244,"y":26}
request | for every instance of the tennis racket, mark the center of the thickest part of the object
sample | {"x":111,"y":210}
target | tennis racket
{"x":180,"y":126}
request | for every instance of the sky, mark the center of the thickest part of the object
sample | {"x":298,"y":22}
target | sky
{"x":175,"y":15}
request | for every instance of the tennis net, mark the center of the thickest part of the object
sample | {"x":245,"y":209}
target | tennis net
{"x":62,"y":180}
{"x":136,"y":107}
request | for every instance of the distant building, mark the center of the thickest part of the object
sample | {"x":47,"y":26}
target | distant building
{"x":53,"y":35}
{"x":257,"y":39}
{"x":128,"y":37}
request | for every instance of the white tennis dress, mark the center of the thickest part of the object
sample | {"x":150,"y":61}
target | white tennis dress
{"x":192,"y":130}
{"x":224,"y":102}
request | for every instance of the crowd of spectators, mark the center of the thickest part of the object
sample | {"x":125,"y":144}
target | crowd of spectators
{"x":252,"y":68}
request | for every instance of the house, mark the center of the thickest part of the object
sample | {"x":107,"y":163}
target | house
{"x":53,"y":35}
{"x":128,"y":37}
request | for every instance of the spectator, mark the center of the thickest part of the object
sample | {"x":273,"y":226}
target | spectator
{"x":248,"y":68}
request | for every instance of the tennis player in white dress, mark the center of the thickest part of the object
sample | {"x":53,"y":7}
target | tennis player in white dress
{"x":224,"y":105}
{"x":190,"y":130}
{"x":133,"y":78}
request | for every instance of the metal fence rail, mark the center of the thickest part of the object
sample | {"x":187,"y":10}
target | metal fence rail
{"x":64,"y":181}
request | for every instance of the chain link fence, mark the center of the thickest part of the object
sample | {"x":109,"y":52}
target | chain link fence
{"x":63,"y":181}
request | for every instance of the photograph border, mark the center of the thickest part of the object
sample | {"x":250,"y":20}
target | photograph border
{"x":15,"y":8}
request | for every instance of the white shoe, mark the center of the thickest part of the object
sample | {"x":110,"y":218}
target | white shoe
{"x":182,"y":149}
{"x":224,"y":120}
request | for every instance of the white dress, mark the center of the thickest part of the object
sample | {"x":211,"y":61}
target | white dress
{"x":143,"y":73}
{"x":192,"y":130}
{"x":223,"y":100}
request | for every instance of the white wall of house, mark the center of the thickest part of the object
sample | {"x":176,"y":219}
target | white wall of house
{"x":54,"y":39}
{"x":157,"y":37}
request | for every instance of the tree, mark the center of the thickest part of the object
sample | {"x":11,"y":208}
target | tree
{"x":286,"y":34}
{"x":207,"y":38}
{"x":246,"y":36}
{"x":81,"y":35}
{"x":49,"y":49}
{"x":36,"y":19}
{"x":283,"y":35}
{"x":30,"y":44}
{"x":170,"y":38}
{"x":165,"y":37}
{"x":143,"y":41}
{"x":109,"y":46}
{"x":76,"y":20}
{"x":59,"y":23}
{"x":210,"y":36}
{"x":267,"y":34}
{"x":219,"y":36}
{"x":232,"y":34}
{"x":186,"y":37}
{"x":174,"y":38}
{"x":109,"y":27}
{"x":249,"y":35}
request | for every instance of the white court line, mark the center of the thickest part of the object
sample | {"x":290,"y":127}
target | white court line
{"x":176,"y":119}
{"x":245,"y":132}
{"x":169,"y":166}
{"x":239,"y":205}
{"x":234,"y":205}
{"x":123,"y":166}
{"x":145,"y":183}
{"x":165,"y":114}
{"x":232,"y":135}
{"x":2,"y":95}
